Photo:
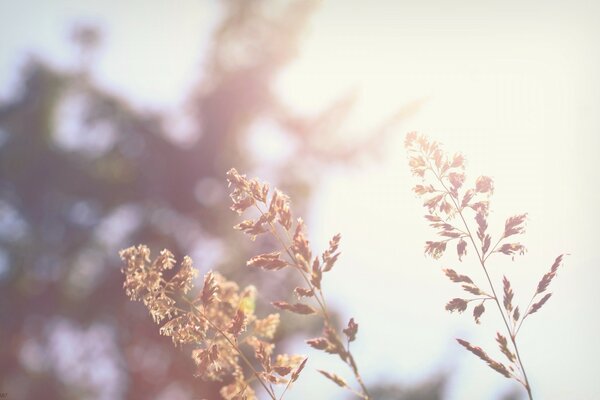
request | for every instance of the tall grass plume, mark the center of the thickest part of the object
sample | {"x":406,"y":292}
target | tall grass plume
{"x":460,"y":217}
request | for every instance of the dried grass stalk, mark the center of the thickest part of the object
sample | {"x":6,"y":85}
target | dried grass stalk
{"x":275,"y":218}
{"x":450,"y":207}
{"x":217,"y":323}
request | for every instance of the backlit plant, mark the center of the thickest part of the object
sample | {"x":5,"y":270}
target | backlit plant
{"x":460,"y":216}
{"x":219,"y":323}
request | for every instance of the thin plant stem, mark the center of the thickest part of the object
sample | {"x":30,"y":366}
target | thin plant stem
{"x":487,"y":275}
{"x":525,"y":314}
{"x":234,"y":346}
{"x":322,"y":304}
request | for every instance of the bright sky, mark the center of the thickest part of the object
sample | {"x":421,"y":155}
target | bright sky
{"x":150,"y":53}
{"x":513,"y":86}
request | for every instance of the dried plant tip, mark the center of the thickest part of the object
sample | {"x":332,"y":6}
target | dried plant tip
{"x":452,"y":234}
{"x":334,"y":378}
{"x":238,"y":324}
{"x":322,"y":343}
{"x":418,"y":166}
{"x":185,"y":329}
{"x":298,"y":370}
{"x":534,"y":308}
{"x":242,"y":204}
{"x":478,"y":312}
{"x":433,"y":218}
{"x":461,"y":249}
{"x":471,"y":288}
{"x":481,"y":225}
{"x":503,"y":344}
{"x":557,"y":262}
{"x":478,"y":351}
{"x":184,"y":278}
{"x":302,"y":292}
{"x":455,"y":277}
{"x":410,"y":139}
{"x":165,"y":261}
{"x":285,"y":217}
{"x":246,"y":192}
{"x":484,"y":184}
{"x":251,"y":228}
{"x":298,"y":308}
{"x":458,"y":161}
{"x":487,"y":241}
{"x":337,"y":346}
{"x":456,"y":180}
{"x":300,"y":245}
{"x":434,"y":202}
{"x":435,"y":249}
{"x":351,"y":330}
{"x":508,"y":295}
{"x":258,"y":190}
{"x":316,"y":274}
{"x":235,"y":179}
{"x":468,"y":196}
{"x":480,"y":207}
{"x":330,"y":256}
{"x":318,"y":343}
{"x":516,"y":314}
{"x":210,"y":289}
{"x":457,"y":304}
{"x":280,"y":206}
{"x":547,"y":278}
{"x":268,"y":261}
{"x":204,"y":358}
{"x":515,"y":225}
{"x":263,"y":356}
{"x":445,"y":207}
{"x":420,"y":190}
{"x":145,"y":281}
{"x":512,"y":249}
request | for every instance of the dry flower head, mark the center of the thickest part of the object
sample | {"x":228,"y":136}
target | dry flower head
{"x":218,"y":323}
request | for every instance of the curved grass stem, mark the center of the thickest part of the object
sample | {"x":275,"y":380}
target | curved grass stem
{"x":482,"y":259}
{"x":320,"y":298}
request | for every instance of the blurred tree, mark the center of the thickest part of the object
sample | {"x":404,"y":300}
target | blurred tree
{"x":432,"y":389}
{"x":83,"y":173}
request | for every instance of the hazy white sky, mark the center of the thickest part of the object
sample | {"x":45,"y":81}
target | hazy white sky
{"x":150,"y":52}
{"x":513,"y":86}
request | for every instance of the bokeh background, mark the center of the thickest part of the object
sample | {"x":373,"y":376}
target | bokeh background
{"x":118,"y":121}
